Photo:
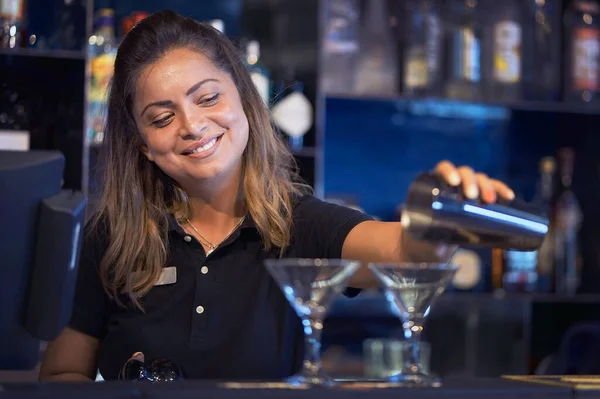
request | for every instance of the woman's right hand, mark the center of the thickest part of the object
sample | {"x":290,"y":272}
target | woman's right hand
{"x":134,"y":368}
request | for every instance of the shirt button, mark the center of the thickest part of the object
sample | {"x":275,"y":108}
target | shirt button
{"x":187,"y":238}
{"x":204,"y":270}
{"x":200,"y":309}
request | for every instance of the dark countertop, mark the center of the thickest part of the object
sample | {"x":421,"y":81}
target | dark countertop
{"x":452,"y":388}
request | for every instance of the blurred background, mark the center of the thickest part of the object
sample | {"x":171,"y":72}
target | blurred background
{"x":368,"y":93}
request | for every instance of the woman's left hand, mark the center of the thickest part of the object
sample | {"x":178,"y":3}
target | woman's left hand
{"x":475,"y":184}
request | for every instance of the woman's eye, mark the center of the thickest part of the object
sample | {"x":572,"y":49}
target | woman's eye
{"x":162,"y":122}
{"x":210,"y":100}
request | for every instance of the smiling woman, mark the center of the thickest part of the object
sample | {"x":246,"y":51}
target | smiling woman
{"x":198,"y":191}
{"x":192,"y":130}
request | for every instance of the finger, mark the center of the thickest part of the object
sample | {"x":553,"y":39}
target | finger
{"x":503,"y":190}
{"x":486,"y":188}
{"x":137,"y":356}
{"x":449,"y":173}
{"x":469,"y":182}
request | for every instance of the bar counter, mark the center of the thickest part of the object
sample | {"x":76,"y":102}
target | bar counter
{"x":492,"y":388}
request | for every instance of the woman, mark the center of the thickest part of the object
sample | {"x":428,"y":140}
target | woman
{"x":198,"y":191}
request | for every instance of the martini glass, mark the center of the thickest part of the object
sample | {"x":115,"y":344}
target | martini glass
{"x":310,"y":286}
{"x":413,"y":288}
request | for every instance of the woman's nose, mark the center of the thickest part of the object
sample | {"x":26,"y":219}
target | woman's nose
{"x":193,"y":126}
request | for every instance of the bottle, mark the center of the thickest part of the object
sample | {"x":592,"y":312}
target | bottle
{"x":102,"y":52}
{"x":340,"y":47}
{"x":258,"y":72}
{"x":503,"y":55}
{"x":12,"y":20}
{"x":292,"y":111}
{"x":464,"y":51}
{"x":423,"y":52}
{"x":528,"y":271}
{"x":543,"y":199}
{"x":377,"y":72}
{"x":568,"y":222}
{"x":542,"y":62}
{"x":582,"y":42}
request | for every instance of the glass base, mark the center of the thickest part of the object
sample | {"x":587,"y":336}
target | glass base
{"x":320,"y":379}
{"x":416,"y":380}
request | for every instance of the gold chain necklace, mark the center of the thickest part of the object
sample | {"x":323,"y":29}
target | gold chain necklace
{"x":211,"y":246}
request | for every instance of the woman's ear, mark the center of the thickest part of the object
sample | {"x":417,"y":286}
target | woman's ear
{"x":146,"y":151}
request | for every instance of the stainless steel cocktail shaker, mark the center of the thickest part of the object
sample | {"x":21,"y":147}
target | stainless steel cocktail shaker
{"x":437,"y":212}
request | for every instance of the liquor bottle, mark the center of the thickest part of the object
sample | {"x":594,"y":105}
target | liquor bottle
{"x":528,"y":271}
{"x":292,"y":111}
{"x":582,"y":42}
{"x":542,"y":54}
{"x":502,"y":55}
{"x":568,"y":222}
{"x":258,"y":72}
{"x":464,"y":51}
{"x":377,"y":72}
{"x":340,"y":46}
{"x":12,"y":18}
{"x":544,"y":198}
{"x":67,"y":31}
{"x":102,"y":52}
{"x":423,"y":52}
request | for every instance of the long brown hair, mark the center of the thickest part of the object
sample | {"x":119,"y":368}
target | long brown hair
{"x":137,"y":197}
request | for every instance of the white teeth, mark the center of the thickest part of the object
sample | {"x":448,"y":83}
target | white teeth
{"x":206,"y":146}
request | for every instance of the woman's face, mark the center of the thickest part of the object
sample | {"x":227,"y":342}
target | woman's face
{"x":191,"y":118}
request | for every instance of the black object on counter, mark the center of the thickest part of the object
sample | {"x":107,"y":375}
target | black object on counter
{"x":160,"y":370}
{"x":437,"y":212}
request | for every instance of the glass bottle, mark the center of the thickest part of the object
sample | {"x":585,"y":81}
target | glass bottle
{"x":542,"y":60}
{"x":340,"y":47}
{"x":292,"y":111}
{"x":582,"y":45}
{"x":568,"y":222}
{"x":377,"y":72}
{"x":423,"y":52}
{"x":102,"y":52}
{"x":544,"y":198}
{"x":258,"y":72}
{"x":12,"y":20}
{"x":464,"y":51}
{"x":502,"y":60}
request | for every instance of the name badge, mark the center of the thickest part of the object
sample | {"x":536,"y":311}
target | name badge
{"x":167,"y":276}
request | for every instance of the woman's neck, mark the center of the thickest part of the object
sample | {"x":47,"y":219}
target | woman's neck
{"x":217,"y":206}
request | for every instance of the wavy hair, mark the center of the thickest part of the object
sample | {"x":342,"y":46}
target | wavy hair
{"x":136,"y":197}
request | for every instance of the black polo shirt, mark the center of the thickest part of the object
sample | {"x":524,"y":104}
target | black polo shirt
{"x":224,"y":317}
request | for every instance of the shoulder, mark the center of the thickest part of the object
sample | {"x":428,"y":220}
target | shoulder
{"x":311,"y":213}
{"x":308,"y":205}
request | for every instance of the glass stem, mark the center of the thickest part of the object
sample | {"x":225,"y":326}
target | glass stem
{"x":312,"y":349}
{"x":412,"y":350}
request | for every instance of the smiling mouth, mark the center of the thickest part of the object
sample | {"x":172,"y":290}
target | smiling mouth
{"x":205,"y":147}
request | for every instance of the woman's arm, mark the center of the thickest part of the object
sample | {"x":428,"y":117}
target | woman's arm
{"x":72,"y":356}
{"x":372,"y":241}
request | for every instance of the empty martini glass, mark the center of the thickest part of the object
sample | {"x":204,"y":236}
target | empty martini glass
{"x":413,"y":289}
{"x":310,"y":286}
